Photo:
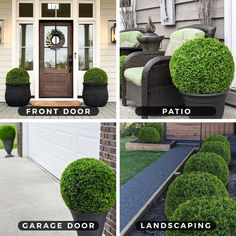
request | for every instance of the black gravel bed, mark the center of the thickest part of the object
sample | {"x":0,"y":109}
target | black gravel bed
{"x":155,"y":213}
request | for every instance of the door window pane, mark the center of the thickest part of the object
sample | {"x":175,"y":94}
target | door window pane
{"x":86,"y":10}
{"x":26,"y":46}
{"x":26,"y":10}
{"x":85,"y":46}
{"x":64,"y":10}
{"x":56,"y":10}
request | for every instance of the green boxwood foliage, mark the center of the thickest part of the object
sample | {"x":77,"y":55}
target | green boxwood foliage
{"x":122,"y":60}
{"x":217,"y":147}
{"x":95,"y":76}
{"x":202,"y":66}
{"x":7,"y":132}
{"x":208,"y":162}
{"x":159,"y":127}
{"x":149,"y":135}
{"x":220,"y":138}
{"x":88,"y":186}
{"x":192,"y":185}
{"x":17,"y":76}
{"x":133,"y":129}
{"x":221,"y":211}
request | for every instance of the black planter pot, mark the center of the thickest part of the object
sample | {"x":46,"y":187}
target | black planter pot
{"x":8,"y":145}
{"x":216,"y":100}
{"x":17,"y":95}
{"x":95,"y":95}
{"x":100,"y":218}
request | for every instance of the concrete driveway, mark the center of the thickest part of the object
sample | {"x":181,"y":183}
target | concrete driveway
{"x":29,"y":193}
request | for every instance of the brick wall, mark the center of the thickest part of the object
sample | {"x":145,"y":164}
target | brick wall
{"x":108,"y":155}
{"x":19,"y":139}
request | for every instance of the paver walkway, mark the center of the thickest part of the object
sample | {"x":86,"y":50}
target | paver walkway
{"x":136,"y":192}
{"x":28,"y":193}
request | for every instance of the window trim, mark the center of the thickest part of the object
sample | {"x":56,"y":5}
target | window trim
{"x":18,"y":10}
{"x":55,"y":17}
{"x":94,"y":10}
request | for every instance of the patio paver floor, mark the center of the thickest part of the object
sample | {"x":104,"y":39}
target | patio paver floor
{"x":29,"y":193}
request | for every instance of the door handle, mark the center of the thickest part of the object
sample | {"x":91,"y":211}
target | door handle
{"x":70,"y":64}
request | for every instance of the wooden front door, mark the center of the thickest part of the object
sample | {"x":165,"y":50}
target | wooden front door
{"x":56,"y":59}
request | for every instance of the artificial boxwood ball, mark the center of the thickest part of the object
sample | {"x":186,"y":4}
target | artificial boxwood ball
{"x":95,"y":76}
{"x":17,"y":76}
{"x":221,"y":211}
{"x":159,"y":127}
{"x":149,"y":135}
{"x":88,"y":186}
{"x":7,"y":132}
{"x":202,"y":66}
{"x":217,"y":147}
{"x":220,"y":138}
{"x":208,"y":162}
{"x":192,"y":185}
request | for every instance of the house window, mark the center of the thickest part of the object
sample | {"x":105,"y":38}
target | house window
{"x":85,"y":46}
{"x":26,"y":10}
{"x":56,"y":10}
{"x":26,"y":46}
{"x":86,"y":10}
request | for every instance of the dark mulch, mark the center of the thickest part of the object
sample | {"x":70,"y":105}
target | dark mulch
{"x":161,"y":142}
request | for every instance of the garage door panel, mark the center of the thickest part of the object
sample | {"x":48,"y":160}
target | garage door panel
{"x":54,"y":146}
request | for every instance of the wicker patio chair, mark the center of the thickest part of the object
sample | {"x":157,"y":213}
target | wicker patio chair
{"x":156,"y":87}
{"x":124,"y":51}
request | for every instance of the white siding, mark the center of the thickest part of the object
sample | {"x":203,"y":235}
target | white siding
{"x":108,"y":50}
{"x":54,"y":146}
{"x":6,"y":47}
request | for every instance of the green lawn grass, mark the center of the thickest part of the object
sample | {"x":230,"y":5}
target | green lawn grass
{"x":15,"y":141}
{"x":132,"y":162}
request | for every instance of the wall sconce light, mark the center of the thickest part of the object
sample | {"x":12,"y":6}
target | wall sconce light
{"x":112,"y":27}
{"x":1,"y":31}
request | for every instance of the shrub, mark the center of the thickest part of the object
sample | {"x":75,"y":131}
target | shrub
{"x":17,"y":76}
{"x":149,"y":135}
{"x":221,"y":211}
{"x":220,"y":138}
{"x":159,"y":127}
{"x":192,"y":185}
{"x":88,"y":186}
{"x":95,"y":76}
{"x":208,"y":162}
{"x":122,"y":60}
{"x":133,"y":129}
{"x":7,"y":132}
{"x":218,"y":148}
{"x":202,"y":66}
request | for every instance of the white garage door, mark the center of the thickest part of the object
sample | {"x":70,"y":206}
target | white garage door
{"x":54,"y":146}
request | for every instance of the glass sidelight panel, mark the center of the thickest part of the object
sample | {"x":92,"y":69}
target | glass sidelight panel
{"x":85,"y":46}
{"x":26,"y":46}
{"x":56,"y":47}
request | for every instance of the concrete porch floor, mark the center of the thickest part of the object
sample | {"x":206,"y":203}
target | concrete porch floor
{"x":29,"y":193}
{"x":107,"y":112}
{"x":129,"y":113}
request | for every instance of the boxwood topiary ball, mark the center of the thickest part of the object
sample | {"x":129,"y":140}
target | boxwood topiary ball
{"x":96,"y":76}
{"x":7,"y":132}
{"x":220,"y":138}
{"x":208,"y":162}
{"x":159,"y":127}
{"x":192,"y":185}
{"x":88,"y":186}
{"x":17,"y":76}
{"x":149,"y":135}
{"x":202,"y":66}
{"x":221,"y":211}
{"x":217,"y":147}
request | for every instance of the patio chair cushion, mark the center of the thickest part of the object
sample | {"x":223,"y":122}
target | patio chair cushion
{"x":129,"y":39}
{"x":134,"y":75}
{"x":178,"y":38}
